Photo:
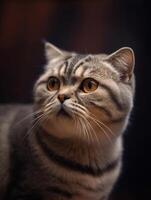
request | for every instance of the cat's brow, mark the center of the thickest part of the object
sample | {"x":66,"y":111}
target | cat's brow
{"x":63,"y":78}
{"x":73,"y":79}
{"x":75,"y":62}
{"x":82,"y":61}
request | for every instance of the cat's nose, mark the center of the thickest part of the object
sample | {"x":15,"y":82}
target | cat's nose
{"x":63,"y":97}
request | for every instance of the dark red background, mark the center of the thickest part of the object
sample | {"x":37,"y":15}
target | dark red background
{"x":83,"y":26}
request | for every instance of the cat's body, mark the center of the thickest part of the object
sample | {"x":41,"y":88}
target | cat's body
{"x":69,"y":154}
{"x":32,"y":173}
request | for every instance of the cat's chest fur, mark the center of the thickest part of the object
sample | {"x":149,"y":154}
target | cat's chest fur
{"x":36,"y":176}
{"x":52,"y":183}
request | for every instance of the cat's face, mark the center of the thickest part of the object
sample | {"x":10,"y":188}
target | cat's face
{"x":85,"y":96}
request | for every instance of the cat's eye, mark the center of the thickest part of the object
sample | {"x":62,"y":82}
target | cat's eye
{"x":89,"y":85}
{"x":53,"y":84}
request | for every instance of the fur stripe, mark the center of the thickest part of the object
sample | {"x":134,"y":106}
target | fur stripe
{"x":72,"y":165}
{"x":118,"y":120}
{"x":66,"y":65}
{"x":102,"y":108}
{"x":41,"y":82}
{"x":83,"y":59}
{"x":109,"y":113}
{"x":78,"y":98}
{"x":84,"y":70}
{"x":58,"y":191}
{"x":113,"y":96}
{"x":60,"y":68}
{"x":75,"y":60}
{"x":90,"y":189}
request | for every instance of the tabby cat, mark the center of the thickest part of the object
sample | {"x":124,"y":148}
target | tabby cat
{"x":68,"y":144}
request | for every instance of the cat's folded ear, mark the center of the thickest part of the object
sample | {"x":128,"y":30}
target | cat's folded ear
{"x":123,"y":60}
{"x":52,"y":52}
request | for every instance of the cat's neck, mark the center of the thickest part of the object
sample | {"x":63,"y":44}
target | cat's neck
{"x":74,"y":149}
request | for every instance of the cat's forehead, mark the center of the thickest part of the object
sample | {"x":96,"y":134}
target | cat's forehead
{"x":75,"y":65}
{"x":78,"y":65}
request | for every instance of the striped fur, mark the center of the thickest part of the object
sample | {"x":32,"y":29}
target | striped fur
{"x":47,"y":153}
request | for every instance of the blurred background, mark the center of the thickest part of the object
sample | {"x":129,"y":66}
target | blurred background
{"x":83,"y":26}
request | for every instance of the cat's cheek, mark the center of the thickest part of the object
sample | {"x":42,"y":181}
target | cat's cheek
{"x":119,"y":126}
{"x":113,"y":128}
{"x":99,"y":114}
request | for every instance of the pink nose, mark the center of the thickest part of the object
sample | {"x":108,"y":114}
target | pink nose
{"x":63,"y":97}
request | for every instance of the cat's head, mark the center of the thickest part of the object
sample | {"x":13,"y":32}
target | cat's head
{"x":85,"y":96}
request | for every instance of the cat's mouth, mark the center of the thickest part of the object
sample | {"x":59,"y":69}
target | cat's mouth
{"x":62,"y":112}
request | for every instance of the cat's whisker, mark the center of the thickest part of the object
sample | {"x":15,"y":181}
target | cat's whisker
{"x":85,"y":123}
{"x":75,"y":112}
{"x":87,"y":131}
{"x":83,"y":112}
{"x":46,"y":119}
{"x":75,"y":123}
{"x":49,"y":106}
{"x":80,"y":123}
{"x":49,"y":102}
{"x":84,"y":131}
{"x":80,"y":106}
{"x":105,"y":126}
{"x":89,"y":124}
{"x":99,"y":125}
{"x":36,"y":122}
{"x":85,"y":127}
{"x":48,"y":98}
{"x":77,"y":126}
{"x":28,"y":116}
{"x":102,"y":129}
{"x":81,"y":127}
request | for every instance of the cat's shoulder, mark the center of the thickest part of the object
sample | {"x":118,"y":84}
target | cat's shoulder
{"x":7,"y":109}
{"x":8,"y":112}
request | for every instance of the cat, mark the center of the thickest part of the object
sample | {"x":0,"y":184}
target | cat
{"x":68,"y":144}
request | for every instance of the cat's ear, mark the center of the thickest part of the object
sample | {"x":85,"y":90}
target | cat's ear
{"x":52,"y":52}
{"x":123,"y":60}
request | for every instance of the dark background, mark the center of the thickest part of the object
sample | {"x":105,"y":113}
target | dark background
{"x":83,"y":26}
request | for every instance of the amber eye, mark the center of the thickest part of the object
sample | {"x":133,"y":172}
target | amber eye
{"x":89,"y":85}
{"x":53,"y":84}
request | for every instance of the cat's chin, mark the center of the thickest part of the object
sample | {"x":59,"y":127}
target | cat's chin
{"x":64,"y":114}
{"x":61,"y":126}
